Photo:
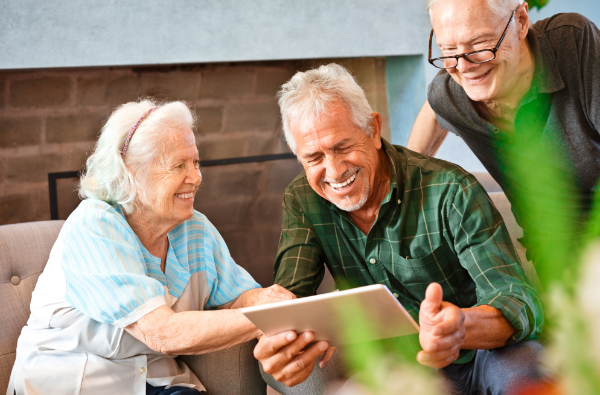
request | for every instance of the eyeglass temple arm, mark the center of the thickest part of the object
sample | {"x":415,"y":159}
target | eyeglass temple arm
{"x":505,"y":30}
{"x":430,"y":42}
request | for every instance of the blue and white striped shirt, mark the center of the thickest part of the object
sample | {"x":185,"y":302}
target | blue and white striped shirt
{"x":111,"y":276}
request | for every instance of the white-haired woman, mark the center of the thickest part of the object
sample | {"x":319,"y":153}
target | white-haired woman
{"x":133,"y":269}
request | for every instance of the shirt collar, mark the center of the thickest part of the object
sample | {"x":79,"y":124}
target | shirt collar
{"x":397,"y":164}
{"x":546,"y":78}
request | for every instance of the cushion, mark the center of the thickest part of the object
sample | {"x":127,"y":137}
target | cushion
{"x":24,"y":251}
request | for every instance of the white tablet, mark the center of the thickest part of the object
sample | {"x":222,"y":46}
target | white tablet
{"x":324,"y":315}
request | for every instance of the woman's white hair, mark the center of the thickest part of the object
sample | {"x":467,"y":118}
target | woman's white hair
{"x":500,"y":8}
{"x":113,"y":179}
{"x":309,"y":95}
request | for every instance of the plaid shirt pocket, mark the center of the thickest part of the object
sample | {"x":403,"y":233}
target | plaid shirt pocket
{"x":439,"y":266}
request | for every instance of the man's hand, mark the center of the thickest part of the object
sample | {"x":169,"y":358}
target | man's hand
{"x":442,"y":329}
{"x":284,"y":356}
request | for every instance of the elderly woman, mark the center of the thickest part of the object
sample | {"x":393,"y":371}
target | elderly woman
{"x":132,"y":270}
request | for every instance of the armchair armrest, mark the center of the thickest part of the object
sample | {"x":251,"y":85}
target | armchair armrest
{"x":233,"y":371}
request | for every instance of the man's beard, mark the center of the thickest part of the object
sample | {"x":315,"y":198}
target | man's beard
{"x":361,"y":201}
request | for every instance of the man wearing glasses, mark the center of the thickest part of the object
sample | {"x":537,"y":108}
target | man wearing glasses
{"x":501,"y":79}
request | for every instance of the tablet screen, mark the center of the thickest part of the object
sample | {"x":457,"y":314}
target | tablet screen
{"x":336,"y":316}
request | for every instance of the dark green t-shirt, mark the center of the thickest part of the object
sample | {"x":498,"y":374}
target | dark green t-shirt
{"x":561,"y":109}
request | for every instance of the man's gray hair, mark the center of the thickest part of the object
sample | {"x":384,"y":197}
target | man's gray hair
{"x":309,"y":95}
{"x":500,"y":8}
{"x":113,"y":179}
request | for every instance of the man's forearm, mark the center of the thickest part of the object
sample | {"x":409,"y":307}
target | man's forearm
{"x":486,"y":328}
{"x":427,"y":135}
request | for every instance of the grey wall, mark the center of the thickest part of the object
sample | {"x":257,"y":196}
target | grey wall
{"x":73,"y":33}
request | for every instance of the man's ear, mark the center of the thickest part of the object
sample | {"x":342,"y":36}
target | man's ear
{"x":376,"y":129}
{"x":522,"y":19}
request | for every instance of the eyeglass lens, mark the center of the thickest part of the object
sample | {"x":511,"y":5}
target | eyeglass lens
{"x":476,"y":57}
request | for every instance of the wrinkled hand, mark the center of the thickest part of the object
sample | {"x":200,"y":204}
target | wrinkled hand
{"x":274,"y":293}
{"x":283,"y":356}
{"x":442,"y":329}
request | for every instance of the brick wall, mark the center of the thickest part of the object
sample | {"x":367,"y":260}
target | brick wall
{"x":49,"y":121}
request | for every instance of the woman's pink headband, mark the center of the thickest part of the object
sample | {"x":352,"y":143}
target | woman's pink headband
{"x":133,"y":129}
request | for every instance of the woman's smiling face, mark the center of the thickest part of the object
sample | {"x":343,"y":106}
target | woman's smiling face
{"x":174,"y":180}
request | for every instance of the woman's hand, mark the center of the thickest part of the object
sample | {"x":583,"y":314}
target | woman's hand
{"x":272,"y":294}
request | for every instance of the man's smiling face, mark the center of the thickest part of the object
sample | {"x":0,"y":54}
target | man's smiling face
{"x":340,"y":160}
{"x":463,"y":26}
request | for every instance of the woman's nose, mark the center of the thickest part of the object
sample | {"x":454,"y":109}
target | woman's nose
{"x":195,"y":177}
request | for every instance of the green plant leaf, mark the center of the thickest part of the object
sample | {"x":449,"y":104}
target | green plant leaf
{"x":536,"y":3}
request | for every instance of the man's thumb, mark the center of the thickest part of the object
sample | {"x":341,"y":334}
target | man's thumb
{"x":433,"y":298}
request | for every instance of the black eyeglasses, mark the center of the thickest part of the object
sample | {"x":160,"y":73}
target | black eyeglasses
{"x":483,"y":56}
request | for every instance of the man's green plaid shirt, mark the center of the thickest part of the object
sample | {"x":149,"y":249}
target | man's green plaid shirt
{"x":437,"y":224}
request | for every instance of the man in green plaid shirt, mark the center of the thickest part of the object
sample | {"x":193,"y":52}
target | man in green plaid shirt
{"x":375,"y":213}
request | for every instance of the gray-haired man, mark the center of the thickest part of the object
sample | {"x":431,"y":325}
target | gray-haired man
{"x":503,"y":79}
{"x":377,"y":213}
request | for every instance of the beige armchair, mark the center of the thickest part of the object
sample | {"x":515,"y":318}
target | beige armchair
{"x":24,"y":250}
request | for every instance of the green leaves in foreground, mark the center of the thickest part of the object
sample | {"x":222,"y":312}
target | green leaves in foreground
{"x":387,"y":366}
{"x":548,"y":204}
{"x":536,"y":3}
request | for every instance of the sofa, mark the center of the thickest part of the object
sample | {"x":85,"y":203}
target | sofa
{"x":24,"y":250}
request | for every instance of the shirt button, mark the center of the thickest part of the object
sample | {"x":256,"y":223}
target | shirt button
{"x":143,"y":370}
{"x":395,"y":295}
{"x":496,"y":130}
{"x":372,"y":260}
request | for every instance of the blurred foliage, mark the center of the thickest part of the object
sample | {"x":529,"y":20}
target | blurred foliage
{"x":546,"y":201}
{"x":549,"y":205}
{"x":536,"y":3}
{"x":571,"y":358}
{"x":388,"y":366}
